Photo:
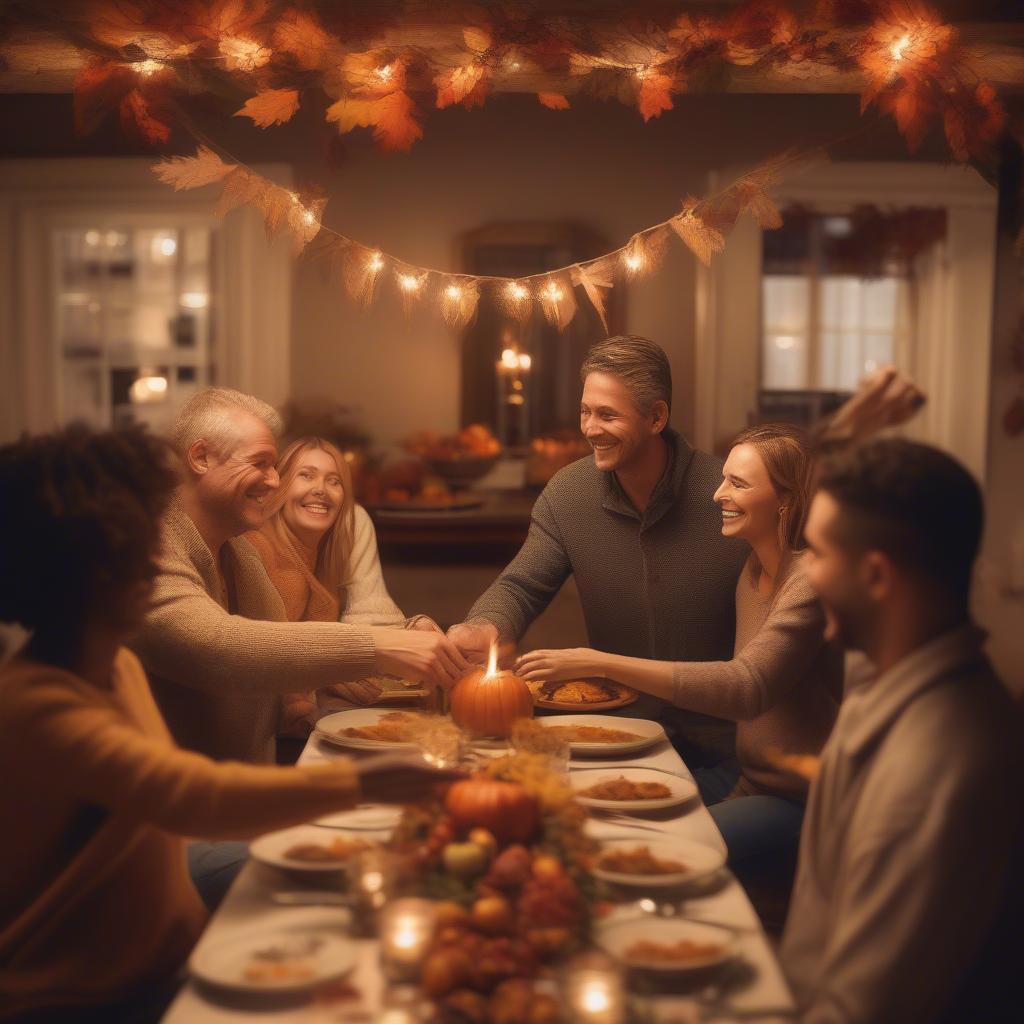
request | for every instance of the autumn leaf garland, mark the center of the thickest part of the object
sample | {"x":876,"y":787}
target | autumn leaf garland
{"x":702,"y":226}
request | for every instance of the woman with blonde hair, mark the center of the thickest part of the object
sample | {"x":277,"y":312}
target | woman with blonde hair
{"x":784,"y":683}
{"x":320,"y":551}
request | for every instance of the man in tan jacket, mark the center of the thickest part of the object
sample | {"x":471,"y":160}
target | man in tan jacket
{"x":907,"y":901}
{"x":216,"y":643}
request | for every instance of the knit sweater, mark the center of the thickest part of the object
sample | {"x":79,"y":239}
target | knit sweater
{"x":782,"y":686}
{"x":659,"y":585}
{"x":96,"y":904}
{"x":219,"y":649}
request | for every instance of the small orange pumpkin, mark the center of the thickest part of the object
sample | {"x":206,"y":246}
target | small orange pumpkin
{"x":489,"y":705}
{"x":503,"y":808}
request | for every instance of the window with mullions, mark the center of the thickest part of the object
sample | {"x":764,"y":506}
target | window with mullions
{"x":837,"y":301}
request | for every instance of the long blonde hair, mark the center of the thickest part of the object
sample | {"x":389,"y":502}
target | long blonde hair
{"x":334,"y":552}
{"x":788,"y":456}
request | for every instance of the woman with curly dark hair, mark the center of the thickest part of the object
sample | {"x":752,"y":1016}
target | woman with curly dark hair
{"x":97,"y":911}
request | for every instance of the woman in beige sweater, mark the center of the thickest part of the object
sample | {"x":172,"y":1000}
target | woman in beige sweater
{"x":97,"y":911}
{"x":783,"y":684}
{"x":320,"y":552}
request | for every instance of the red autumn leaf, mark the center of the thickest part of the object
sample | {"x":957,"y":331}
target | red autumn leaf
{"x":397,"y":128}
{"x":98,"y":89}
{"x":138,"y":119}
{"x":272,"y":106}
{"x":455,"y":85}
{"x":553,"y":100}
{"x":300,"y":34}
{"x":655,"y":94}
{"x":225,"y":18}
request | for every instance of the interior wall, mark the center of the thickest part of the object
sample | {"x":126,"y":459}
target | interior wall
{"x":600,"y":165}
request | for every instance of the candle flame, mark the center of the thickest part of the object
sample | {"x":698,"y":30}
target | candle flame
{"x":492,"y":662}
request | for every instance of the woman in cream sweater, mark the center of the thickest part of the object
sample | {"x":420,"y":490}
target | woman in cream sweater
{"x":97,"y":911}
{"x":320,"y":552}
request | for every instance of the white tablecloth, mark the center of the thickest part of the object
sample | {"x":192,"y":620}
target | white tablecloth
{"x":762,"y":994}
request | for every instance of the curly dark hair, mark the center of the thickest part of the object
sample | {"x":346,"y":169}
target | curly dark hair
{"x":912,"y":501}
{"x":79,"y":522}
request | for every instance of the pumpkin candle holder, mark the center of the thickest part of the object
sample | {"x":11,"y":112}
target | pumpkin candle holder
{"x":488,"y":702}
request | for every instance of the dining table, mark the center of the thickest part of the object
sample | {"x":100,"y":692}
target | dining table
{"x":752,"y":988}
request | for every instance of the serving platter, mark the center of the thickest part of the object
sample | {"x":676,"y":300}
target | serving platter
{"x":288,"y":960}
{"x":618,"y":938}
{"x":681,"y":789}
{"x":699,"y":862}
{"x":272,"y":849}
{"x":331,"y":729}
{"x":646,"y":733}
{"x":626,"y":696}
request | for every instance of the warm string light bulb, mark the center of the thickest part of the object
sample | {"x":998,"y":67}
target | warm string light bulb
{"x":374,"y":261}
{"x":453,"y":292}
{"x":510,"y":359}
{"x":553,"y":292}
{"x":409,"y":282}
{"x":516,"y":291}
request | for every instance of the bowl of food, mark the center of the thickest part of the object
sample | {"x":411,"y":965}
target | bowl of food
{"x":458,"y":459}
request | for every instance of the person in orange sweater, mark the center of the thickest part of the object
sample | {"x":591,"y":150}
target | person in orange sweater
{"x":320,"y":552}
{"x":97,"y":910}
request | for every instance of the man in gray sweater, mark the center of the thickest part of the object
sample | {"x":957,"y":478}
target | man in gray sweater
{"x":637,"y":527}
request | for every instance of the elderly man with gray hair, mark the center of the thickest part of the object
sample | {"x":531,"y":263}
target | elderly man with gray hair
{"x":216,"y":643}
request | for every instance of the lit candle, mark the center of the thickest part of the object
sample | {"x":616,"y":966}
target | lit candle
{"x":372,"y":877}
{"x":594,"y":990}
{"x":406,"y":926}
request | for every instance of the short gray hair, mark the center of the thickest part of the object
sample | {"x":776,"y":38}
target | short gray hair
{"x":639,"y":363}
{"x":207,"y":416}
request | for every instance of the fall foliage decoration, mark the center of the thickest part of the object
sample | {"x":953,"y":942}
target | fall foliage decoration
{"x":380,"y":64}
{"x":702,"y":226}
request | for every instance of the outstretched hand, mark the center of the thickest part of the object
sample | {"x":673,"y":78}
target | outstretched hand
{"x":887,"y":398}
{"x":558,"y":665}
{"x":474,"y":639}
{"x":401,"y":778}
{"x":425,"y":656}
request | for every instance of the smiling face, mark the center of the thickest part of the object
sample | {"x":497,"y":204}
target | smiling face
{"x":613,"y":425}
{"x":238,"y":481}
{"x":749,"y":502}
{"x":839,"y":576}
{"x":313,"y":502}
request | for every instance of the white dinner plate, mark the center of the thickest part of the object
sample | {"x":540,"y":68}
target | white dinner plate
{"x":681,"y":789}
{"x":618,"y":938}
{"x":647,"y":733}
{"x":365,"y":817}
{"x":272,"y":849}
{"x":305,"y":957}
{"x":699,"y":861}
{"x":331,"y":728}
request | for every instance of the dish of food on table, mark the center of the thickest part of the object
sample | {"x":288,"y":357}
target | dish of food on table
{"x":656,"y":863}
{"x":373,"y":728}
{"x":667,"y":944}
{"x":307,"y":849}
{"x":581,"y":694}
{"x":630,"y":789}
{"x":281,"y":960}
{"x":604,"y":735}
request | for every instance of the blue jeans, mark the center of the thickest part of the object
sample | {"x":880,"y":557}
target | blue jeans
{"x":755,"y":828}
{"x":213,"y":867}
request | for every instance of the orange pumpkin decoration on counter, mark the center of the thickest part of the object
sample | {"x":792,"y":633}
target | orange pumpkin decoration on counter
{"x":489,"y":703}
{"x":503,"y":808}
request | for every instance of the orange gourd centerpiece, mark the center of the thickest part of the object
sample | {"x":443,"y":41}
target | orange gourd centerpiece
{"x":487,"y":702}
{"x":506,"y":810}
